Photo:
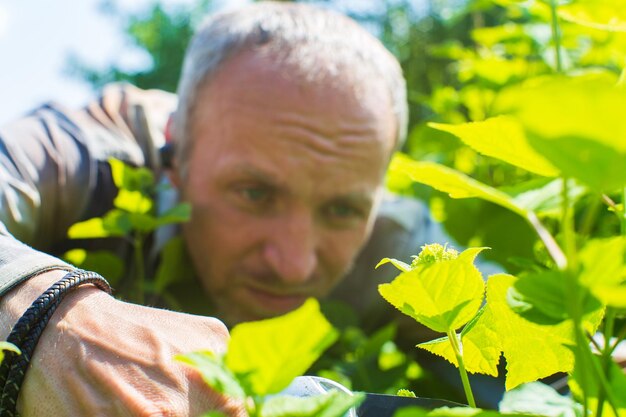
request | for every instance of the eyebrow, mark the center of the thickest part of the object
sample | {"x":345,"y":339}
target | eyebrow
{"x":360,"y":198}
{"x":260,"y":175}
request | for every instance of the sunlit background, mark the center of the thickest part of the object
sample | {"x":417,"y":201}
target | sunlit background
{"x":40,"y":38}
{"x":37,"y":38}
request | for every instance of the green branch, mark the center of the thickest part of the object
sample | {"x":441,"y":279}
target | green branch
{"x":458,"y":352}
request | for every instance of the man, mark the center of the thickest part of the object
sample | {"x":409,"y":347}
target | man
{"x":287,"y":117}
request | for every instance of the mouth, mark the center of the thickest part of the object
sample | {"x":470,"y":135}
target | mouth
{"x":273,"y":302}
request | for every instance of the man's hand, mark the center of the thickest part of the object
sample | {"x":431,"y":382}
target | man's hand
{"x":102,"y":357}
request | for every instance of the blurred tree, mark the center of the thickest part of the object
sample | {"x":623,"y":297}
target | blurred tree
{"x":162,"y":33}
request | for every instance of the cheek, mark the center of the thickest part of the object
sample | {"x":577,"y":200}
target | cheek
{"x":222,"y":235}
{"x":338,"y":250}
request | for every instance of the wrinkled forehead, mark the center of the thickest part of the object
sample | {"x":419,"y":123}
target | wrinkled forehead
{"x":321,"y":81}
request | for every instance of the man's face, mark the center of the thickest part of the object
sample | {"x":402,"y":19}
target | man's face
{"x":282,"y":177}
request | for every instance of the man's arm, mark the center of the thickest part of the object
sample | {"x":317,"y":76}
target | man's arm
{"x":97,"y":355}
{"x":100,"y":356}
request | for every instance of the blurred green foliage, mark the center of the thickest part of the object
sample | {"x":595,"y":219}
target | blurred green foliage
{"x":161,"y":33}
{"x":459,"y":59}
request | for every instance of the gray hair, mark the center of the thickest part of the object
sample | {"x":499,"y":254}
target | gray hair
{"x":298,"y":33}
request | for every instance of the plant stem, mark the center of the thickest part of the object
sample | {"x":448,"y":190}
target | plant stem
{"x":458,"y":351}
{"x":623,"y":212}
{"x":597,"y":368}
{"x":556,"y":35}
{"x":139,"y":268}
{"x":555,"y":251}
{"x":609,"y":327}
{"x":569,"y":231}
{"x":572,"y":288}
{"x":590,"y":216}
{"x":575,"y":303}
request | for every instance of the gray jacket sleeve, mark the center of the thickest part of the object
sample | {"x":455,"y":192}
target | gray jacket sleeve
{"x":50,"y":171}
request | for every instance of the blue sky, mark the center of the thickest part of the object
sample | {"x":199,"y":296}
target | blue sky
{"x":36,"y":36}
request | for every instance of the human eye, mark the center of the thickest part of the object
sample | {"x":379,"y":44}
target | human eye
{"x":344,"y":213}
{"x":255,"y":195}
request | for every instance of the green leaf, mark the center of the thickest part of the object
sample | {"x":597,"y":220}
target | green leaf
{"x":128,"y":178}
{"x":174,"y":263}
{"x":7,"y":346}
{"x":544,"y":196}
{"x":214,"y":372}
{"x":284,"y":347}
{"x":501,"y":137}
{"x":133,"y":202}
{"x":143,"y":222}
{"x":177,"y":214}
{"x":584,"y":128}
{"x":92,"y":228}
{"x":543,"y":297}
{"x":532,"y":351}
{"x":332,"y":404}
{"x":481,"y":351}
{"x":584,"y":377}
{"x":404,"y":267}
{"x":454,"y":183}
{"x":613,"y":296}
{"x":115,"y":223}
{"x":442,"y":296}
{"x":604,"y":269}
{"x":540,"y":399}
{"x":103,"y":262}
{"x":608,"y":15}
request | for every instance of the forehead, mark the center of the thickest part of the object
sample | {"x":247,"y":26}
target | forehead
{"x":331,"y":96}
{"x":316,"y":133}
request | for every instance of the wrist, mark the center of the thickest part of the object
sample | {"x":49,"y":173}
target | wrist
{"x":16,"y":301}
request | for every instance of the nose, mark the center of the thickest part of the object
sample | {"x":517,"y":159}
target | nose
{"x":291,"y":249}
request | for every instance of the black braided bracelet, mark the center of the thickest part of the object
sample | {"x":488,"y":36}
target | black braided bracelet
{"x":26,"y":332}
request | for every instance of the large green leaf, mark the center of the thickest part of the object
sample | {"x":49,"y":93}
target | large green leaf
{"x":532,"y":351}
{"x":574,"y":122}
{"x":456,"y":184}
{"x":546,"y":297}
{"x":332,"y":404}
{"x":269,"y":354}
{"x":442,"y":296}
{"x":214,"y":372}
{"x":604,"y":269}
{"x":543,"y":196}
{"x":607,"y":15}
{"x":501,"y":137}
